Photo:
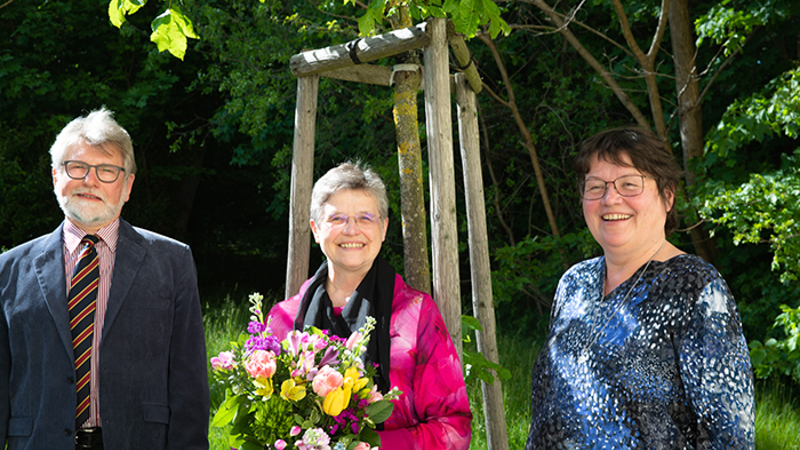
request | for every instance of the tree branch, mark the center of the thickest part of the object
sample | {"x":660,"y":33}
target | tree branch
{"x":604,"y":74}
{"x":496,"y":197}
{"x":647,"y":61}
{"x":495,"y":96}
{"x":523,"y":129}
{"x":721,"y":67}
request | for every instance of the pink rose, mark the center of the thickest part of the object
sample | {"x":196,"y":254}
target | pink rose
{"x":261,"y":363}
{"x":280,"y":444}
{"x":295,"y":431}
{"x":223,"y":361}
{"x":327,"y":379}
{"x":362,"y":446}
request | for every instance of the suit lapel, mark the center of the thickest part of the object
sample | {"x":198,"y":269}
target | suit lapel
{"x":127,"y":262}
{"x":49,"y":267}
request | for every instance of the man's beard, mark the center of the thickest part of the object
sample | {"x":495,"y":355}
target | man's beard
{"x":80,"y":212}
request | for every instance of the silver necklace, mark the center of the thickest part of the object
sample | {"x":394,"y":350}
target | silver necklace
{"x":584,"y":356}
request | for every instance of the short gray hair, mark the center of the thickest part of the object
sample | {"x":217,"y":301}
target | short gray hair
{"x":348,"y":176}
{"x":97,"y":129}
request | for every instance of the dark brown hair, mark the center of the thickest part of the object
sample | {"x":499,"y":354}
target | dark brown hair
{"x":648,"y":155}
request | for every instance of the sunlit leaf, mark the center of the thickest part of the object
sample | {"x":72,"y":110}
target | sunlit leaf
{"x":170,"y":31}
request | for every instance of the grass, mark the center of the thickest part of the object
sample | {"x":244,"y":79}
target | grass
{"x":777,"y":401}
{"x":777,"y":415}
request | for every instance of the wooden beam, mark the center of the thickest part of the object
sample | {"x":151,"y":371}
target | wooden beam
{"x":362,"y":73}
{"x":305,"y":122}
{"x":365,"y":50}
{"x":481,"y":274}
{"x":444,"y":236}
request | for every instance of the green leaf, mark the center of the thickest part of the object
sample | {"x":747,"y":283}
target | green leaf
{"x":170,"y":31}
{"x":118,"y":9}
{"x":379,"y":411}
{"x":471,"y":323}
{"x":225,"y":413}
{"x":757,"y":356}
{"x":250,"y":445}
{"x":370,"y":436}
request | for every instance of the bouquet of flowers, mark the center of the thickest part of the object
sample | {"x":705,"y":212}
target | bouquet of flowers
{"x":310,"y":391}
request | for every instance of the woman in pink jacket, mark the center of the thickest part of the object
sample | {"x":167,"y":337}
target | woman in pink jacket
{"x":410,"y":345}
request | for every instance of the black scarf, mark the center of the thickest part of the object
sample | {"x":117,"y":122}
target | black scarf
{"x":373,"y":297}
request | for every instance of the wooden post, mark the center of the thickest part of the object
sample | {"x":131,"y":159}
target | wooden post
{"x":305,"y":122}
{"x":444,"y":237}
{"x":482,"y":302}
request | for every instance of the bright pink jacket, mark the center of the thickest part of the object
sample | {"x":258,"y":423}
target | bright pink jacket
{"x":433,"y":411}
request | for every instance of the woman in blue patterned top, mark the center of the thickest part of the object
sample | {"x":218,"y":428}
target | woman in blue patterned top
{"x":645,"y":347}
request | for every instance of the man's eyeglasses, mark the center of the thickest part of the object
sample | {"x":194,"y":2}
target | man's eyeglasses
{"x":626,"y":186}
{"x":362,"y":220}
{"x":78,"y":170}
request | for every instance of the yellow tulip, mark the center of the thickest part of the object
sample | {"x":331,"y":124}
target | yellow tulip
{"x":351,"y":373}
{"x":359,"y":384}
{"x":336,"y":401}
{"x":292,"y":391}
{"x":352,"y":380}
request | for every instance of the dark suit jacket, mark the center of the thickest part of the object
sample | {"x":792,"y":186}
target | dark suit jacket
{"x":153,"y":375}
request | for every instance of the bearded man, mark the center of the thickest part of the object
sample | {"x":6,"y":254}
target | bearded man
{"x":101,"y":334}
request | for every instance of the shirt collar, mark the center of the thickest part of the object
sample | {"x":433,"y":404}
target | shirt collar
{"x":72,"y":236}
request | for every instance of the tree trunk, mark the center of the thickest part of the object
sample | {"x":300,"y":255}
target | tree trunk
{"x":690,"y":111}
{"x":409,"y":158}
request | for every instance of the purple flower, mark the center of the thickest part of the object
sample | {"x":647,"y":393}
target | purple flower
{"x":256,"y":327}
{"x":269,"y":343}
{"x":331,"y":357}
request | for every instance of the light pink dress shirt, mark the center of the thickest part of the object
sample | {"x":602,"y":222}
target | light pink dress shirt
{"x":106,"y":251}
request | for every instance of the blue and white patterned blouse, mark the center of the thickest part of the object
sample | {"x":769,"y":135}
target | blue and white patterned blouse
{"x":667,"y":369}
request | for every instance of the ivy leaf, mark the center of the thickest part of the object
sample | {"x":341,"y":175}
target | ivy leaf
{"x":170,"y":31}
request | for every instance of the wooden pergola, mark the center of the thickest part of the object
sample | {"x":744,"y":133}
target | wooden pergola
{"x":349,"y":62}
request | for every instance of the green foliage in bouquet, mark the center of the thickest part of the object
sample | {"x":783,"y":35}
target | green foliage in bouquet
{"x":309,"y":391}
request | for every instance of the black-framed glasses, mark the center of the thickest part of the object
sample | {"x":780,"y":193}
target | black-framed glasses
{"x":78,"y":170}
{"x":626,"y":186}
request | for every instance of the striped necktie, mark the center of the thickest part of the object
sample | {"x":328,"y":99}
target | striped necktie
{"x":82,"y":304}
